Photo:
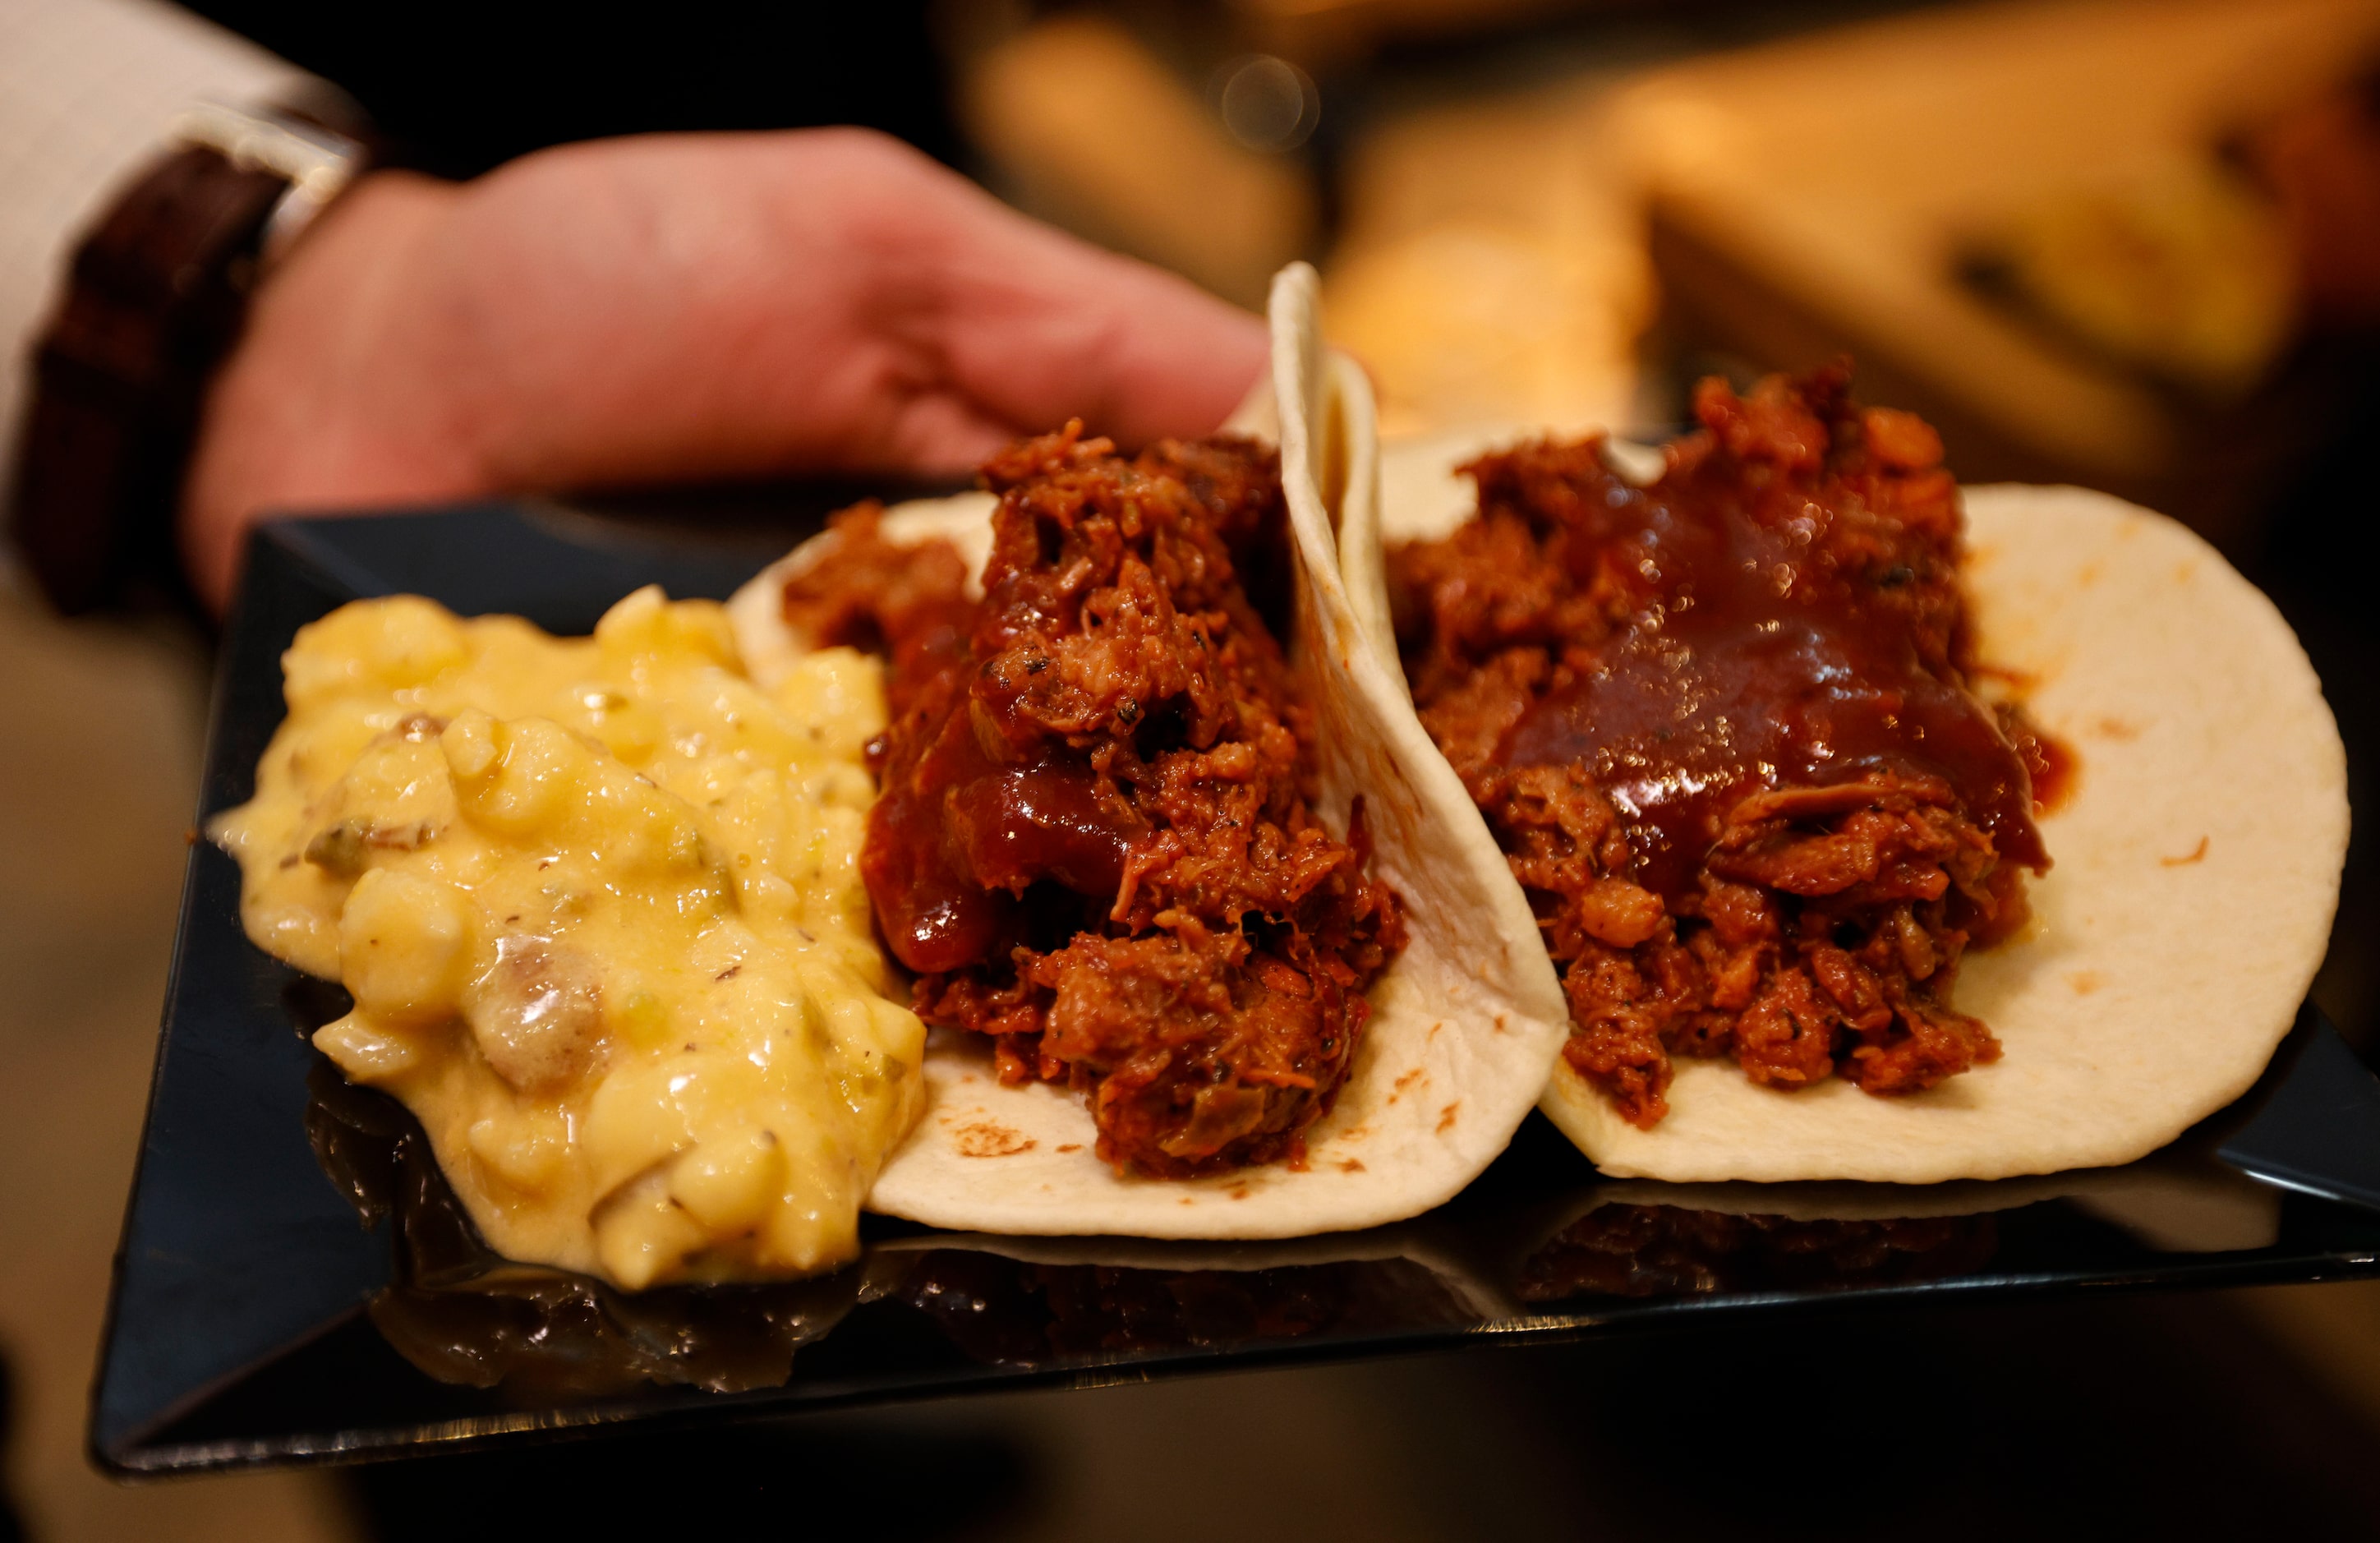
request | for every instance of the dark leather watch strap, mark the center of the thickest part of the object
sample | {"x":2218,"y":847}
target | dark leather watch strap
{"x":156,"y":298}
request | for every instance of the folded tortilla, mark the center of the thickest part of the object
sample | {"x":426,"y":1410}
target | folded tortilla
{"x":1466,"y":1022}
{"x":2196,"y":860}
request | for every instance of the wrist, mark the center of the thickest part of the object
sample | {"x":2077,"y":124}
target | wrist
{"x":323,"y":402}
{"x":157,"y":295}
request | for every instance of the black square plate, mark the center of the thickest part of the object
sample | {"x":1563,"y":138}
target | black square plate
{"x":294,"y":1283}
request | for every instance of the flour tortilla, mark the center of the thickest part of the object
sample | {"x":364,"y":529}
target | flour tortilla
{"x":2197,"y":862}
{"x":1465,"y":1023}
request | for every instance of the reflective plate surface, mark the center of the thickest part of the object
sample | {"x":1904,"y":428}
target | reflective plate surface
{"x":294,"y":1283}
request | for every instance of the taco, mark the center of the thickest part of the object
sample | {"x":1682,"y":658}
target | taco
{"x":1211,"y":943}
{"x":1820,"y":910}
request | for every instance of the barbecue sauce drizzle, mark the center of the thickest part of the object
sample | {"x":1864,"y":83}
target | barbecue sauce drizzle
{"x":1722,"y":727}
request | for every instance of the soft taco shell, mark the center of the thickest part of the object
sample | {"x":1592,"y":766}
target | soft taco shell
{"x":2196,"y":862}
{"x":1465,"y":1023}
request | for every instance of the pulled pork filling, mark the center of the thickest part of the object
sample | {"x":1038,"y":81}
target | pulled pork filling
{"x":1092,"y":839}
{"x":1720,"y":726}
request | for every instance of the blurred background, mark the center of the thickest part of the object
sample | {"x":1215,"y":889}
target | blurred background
{"x":2129,"y":244}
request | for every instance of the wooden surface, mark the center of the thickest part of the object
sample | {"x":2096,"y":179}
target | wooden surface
{"x":1490,"y":267}
{"x":1811,"y":196}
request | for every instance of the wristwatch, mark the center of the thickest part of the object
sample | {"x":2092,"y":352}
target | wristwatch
{"x":154,"y":299}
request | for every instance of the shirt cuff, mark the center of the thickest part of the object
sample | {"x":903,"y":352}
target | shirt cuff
{"x":89,"y":93}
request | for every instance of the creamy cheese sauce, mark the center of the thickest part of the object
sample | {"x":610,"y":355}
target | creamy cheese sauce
{"x":598,"y":901}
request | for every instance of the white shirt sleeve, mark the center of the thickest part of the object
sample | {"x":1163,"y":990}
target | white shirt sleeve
{"x":89,"y":91}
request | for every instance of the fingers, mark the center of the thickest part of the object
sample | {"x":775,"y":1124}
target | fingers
{"x":1136,"y":354}
{"x":938,"y":434}
{"x":1035,"y":326}
{"x":819,"y":299}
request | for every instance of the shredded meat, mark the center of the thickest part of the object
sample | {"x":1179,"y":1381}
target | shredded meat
{"x":1093,"y":840}
{"x":1721,"y":728}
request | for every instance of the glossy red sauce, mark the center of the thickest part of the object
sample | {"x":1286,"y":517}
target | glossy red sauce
{"x":957,"y":838}
{"x":2055,"y":770}
{"x":1755,"y":659}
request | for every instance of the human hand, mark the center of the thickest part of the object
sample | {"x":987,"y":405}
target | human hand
{"x":684,"y":307}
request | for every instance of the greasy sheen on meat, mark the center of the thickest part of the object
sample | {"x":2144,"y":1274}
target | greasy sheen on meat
{"x":1720,"y":726}
{"x":1092,"y":838}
